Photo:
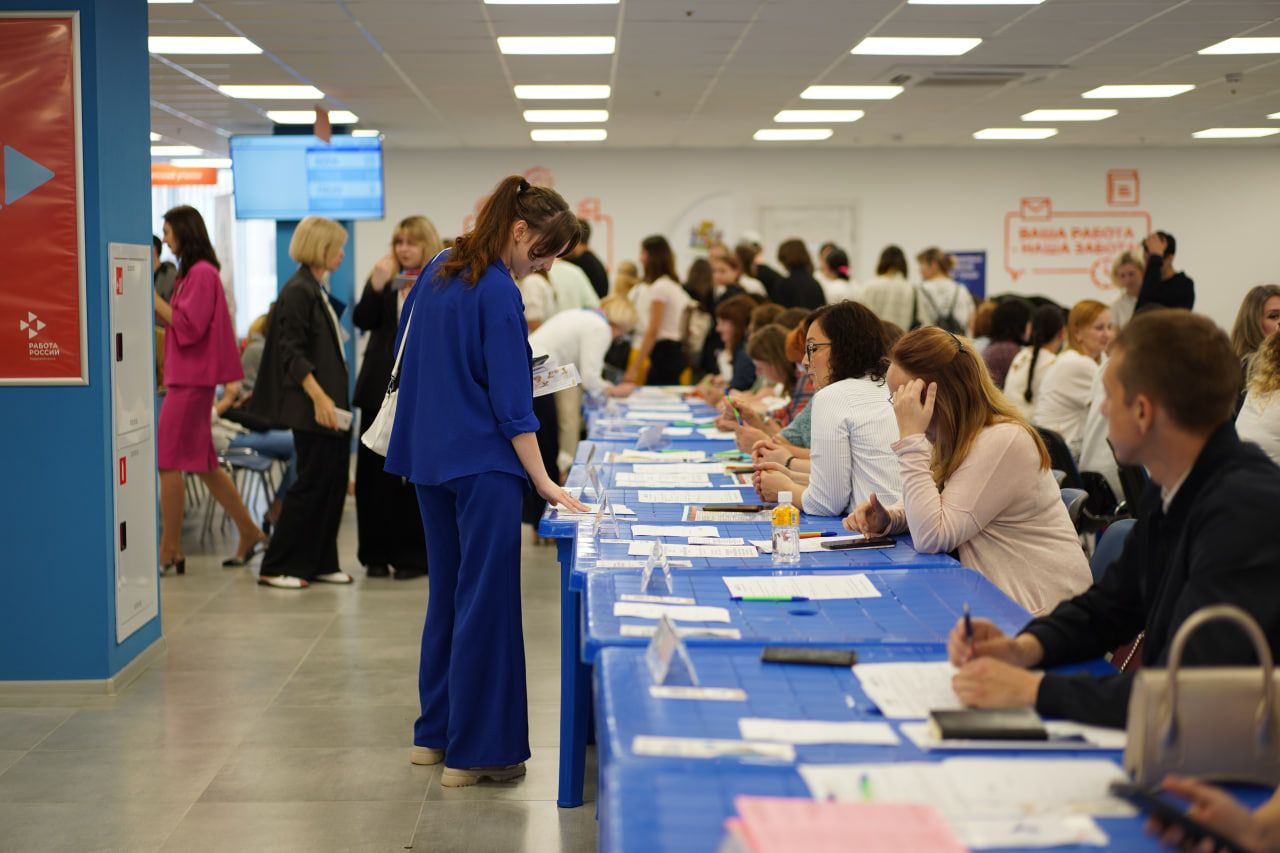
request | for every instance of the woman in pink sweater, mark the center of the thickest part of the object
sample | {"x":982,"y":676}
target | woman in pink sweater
{"x":975,"y":476}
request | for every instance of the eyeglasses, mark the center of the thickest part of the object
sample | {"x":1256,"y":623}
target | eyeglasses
{"x":813,"y":346}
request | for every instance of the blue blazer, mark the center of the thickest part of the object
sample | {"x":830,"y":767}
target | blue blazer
{"x":466,"y":380}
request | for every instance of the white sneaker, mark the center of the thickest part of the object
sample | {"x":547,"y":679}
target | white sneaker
{"x":425,"y":755}
{"x":282,"y":582}
{"x":334,"y":577}
{"x":463,"y":777}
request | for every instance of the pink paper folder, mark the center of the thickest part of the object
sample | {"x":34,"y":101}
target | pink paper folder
{"x":788,"y":824}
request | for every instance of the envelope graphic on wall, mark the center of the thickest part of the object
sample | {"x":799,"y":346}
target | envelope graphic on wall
{"x":1036,"y":207}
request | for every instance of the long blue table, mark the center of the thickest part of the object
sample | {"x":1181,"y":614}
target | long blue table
{"x":651,"y":803}
{"x":916,"y":608}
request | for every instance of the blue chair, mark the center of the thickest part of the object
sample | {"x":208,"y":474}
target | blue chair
{"x":1110,"y":544}
{"x":1058,"y":476}
{"x":1074,"y":499}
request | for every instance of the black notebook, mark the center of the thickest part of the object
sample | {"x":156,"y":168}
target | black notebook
{"x":987,"y":724}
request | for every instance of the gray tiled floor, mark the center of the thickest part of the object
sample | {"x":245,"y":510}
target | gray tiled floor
{"x":279,"y":721}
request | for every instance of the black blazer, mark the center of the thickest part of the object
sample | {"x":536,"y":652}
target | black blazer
{"x":1216,"y":545}
{"x":300,"y":340}
{"x":375,"y":313}
{"x":799,"y":290}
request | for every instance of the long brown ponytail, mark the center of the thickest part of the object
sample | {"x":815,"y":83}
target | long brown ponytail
{"x":544,"y":210}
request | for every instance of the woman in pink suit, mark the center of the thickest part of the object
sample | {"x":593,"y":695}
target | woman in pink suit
{"x":199,"y":354}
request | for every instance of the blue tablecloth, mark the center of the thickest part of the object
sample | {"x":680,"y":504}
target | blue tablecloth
{"x":915,"y":607}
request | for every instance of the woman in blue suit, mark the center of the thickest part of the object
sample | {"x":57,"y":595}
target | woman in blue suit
{"x":465,"y":435}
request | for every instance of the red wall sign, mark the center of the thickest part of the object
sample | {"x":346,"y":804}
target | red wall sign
{"x":181,"y":176}
{"x":42,"y":300}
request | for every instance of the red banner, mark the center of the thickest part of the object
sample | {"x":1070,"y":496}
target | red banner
{"x":41,"y":300}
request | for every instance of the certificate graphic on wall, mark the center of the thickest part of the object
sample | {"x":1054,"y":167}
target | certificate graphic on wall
{"x":42,"y":319}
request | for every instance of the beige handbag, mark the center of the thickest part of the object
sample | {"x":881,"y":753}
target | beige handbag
{"x":1214,"y":722}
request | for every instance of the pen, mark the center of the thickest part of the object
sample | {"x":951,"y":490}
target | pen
{"x":968,"y":628}
{"x":768,"y":598}
{"x":815,"y":534}
{"x":737,"y":416}
{"x":864,"y":783}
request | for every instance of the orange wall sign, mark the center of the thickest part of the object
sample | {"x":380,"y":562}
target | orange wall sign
{"x":181,"y":176}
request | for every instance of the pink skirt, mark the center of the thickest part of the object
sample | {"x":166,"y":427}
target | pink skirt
{"x":184,"y":437}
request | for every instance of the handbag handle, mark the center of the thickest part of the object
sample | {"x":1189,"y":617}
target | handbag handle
{"x":394,"y":382}
{"x":1246,"y":623}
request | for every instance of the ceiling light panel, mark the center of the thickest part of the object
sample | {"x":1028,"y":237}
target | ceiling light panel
{"x":366,"y":132}
{"x":558,"y":92}
{"x":175,"y":150}
{"x":565,"y":116}
{"x":1020,"y":133}
{"x":569,"y":134}
{"x":556,"y":45}
{"x":1270,"y":44}
{"x":273,"y":93}
{"x":1236,"y":132}
{"x":203,"y":163}
{"x":201,"y":45}
{"x":851,"y":93}
{"x":309,"y":116}
{"x":1069,"y":115}
{"x":787,"y":134}
{"x":1163,"y":90}
{"x":974,"y":2}
{"x":818,"y":116}
{"x":888,"y":46}
{"x":545,"y":2}
{"x":170,"y":2}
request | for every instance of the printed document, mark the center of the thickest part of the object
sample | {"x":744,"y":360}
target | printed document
{"x":812,"y":587}
{"x":906,"y":691}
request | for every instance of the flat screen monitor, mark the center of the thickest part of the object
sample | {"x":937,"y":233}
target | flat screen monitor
{"x":289,"y":177}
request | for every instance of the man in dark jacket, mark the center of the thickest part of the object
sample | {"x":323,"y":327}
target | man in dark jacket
{"x":586,"y":260}
{"x":1161,"y":283}
{"x":1205,"y":535}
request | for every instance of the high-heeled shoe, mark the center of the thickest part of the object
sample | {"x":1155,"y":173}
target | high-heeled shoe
{"x":179,"y":567}
{"x":259,"y":547}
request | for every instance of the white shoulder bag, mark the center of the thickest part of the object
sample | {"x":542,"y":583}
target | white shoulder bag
{"x":378,"y":436}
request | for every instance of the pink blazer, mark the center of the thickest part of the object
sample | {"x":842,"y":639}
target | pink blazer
{"x":200,"y":343}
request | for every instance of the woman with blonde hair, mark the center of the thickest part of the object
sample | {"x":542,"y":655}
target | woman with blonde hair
{"x":1259,"y":418}
{"x":387,"y":518}
{"x":1063,"y":402}
{"x":1257,"y":319}
{"x":302,"y":386}
{"x":1126,"y":274}
{"x":975,"y":476}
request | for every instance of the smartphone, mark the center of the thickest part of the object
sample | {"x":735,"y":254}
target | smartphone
{"x":1167,"y":811}
{"x":866,"y":542}
{"x":809,"y":655}
{"x":540,"y":360}
{"x":733,"y":508}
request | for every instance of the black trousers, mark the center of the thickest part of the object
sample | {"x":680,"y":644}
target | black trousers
{"x":544,"y":409}
{"x":387,"y":517}
{"x":666,"y":363}
{"x":305,"y":542}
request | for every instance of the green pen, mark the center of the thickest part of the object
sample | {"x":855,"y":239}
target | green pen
{"x":864,"y":784}
{"x":771,"y":598}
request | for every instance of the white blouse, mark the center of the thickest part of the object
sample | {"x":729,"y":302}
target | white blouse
{"x":1063,"y":402}
{"x":580,"y":337}
{"x":852,"y":430}
{"x":1259,"y":422}
{"x":1015,"y":382}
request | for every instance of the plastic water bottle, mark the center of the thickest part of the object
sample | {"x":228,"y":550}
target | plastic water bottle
{"x":786,"y":531}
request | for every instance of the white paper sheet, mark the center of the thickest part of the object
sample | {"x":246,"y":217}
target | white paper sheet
{"x":552,"y":379}
{"x":706,"y":694}
{"x":985,"y":788}
{"x":657,"y":599}
{"x":817,"y":731}
{"x":1095,"y":737}
{"x":674,"y":530}
{"x":662,"y":480}
{"x":678,"y":432}
{"x":679,"y":468}
{"x":739,"y":552}
{"x":692,"y":747}
{"x":714,"y":434}
{"x":638,"y":564}
{"x":618,"y":509}
{"x":657,"y":456}
{"x":673,"y":612}
{"x":685,"y":631}
{"x":812,"y":587}
{"x":684,"y":496}
{"x":812,"y":545}
{"x":693,"y":513}
{"x":717,"y":540}
{"x":907,"y":691}
{"x":664,"y":415}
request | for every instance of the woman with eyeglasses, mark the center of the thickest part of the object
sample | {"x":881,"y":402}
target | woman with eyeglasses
{"x":852,"y":423}
{"x":975,"y":476}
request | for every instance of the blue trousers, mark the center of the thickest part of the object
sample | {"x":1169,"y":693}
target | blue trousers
{"x":471,"y":678}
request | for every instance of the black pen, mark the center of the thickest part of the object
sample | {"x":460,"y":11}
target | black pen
{"x":968,"y":628}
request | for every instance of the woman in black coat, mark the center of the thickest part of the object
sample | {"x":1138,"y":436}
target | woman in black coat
{"x":387,"y":516}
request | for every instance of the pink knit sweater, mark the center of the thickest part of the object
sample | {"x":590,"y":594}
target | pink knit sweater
{"x":1003,"y":512}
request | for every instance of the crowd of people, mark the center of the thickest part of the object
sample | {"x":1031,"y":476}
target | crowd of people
{"x":902,"y":405}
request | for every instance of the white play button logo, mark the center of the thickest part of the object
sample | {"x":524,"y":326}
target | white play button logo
{"x":32,"y":325}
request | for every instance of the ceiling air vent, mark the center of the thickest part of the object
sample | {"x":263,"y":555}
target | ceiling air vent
{"x":952,"y":76}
